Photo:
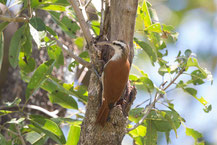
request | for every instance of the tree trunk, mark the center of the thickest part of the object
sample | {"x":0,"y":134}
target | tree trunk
{"x":119,"y":24}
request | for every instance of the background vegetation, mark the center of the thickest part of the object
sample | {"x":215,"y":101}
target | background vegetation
{"x":174,"y":44}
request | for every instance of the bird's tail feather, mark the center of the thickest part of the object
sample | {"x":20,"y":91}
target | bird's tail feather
{"x":103,"y":114}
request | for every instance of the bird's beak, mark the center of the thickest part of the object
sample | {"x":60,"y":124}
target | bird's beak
{"x":104,"y":43}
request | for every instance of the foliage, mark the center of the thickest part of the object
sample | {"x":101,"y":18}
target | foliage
{"x":152,"y":37}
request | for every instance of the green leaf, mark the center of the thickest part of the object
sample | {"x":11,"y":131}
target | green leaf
{"x":35,"y":138}
{"x":167,"y":134}
{"x":60,"y":120}
{"x":139,"y":25}
{"x":197,"y":77}
{"x":192,"y":62}
{"x":147,"y":83}
{"x":154,"y":28}
{"x":73,"y":135}
{"x":165,"y":121}
{"x":170,"y":33}
{"x":202,"y":101}
{"x":52,"y":85}
{"x":53,"y":8}
{"x":151,"y":133}
{"x":147,"y":18}
{"x":191,"y":91}
{"x":188,"y":53}
{"x":39,"y":77}
{"x":3,"y":25}
{"x":133,"y":77}
{"x":26,"y":63}
{"x":1,"y":49}
{"x":96,"y":27}
{"x":79,"y":92}
{"x":85,"y":56}
{"x":191,"y":132}
{"x":42,"y":3}
{"x":140,"y":140}
{"x":67,"y":25}
{"x":51,"y":31}
{"x":13,"y":103}
{"x":3,"y":141}
{"x":181,"y":84}
{"x":15,"y":46}
{"x":48,"y":127}
{"x":172,"y":119}
{"x":38,"y":24}
{"x":136,"y":114}
{"x":143,"y":81}
{"x":79,"y":41}
{"x":37,"y":35}
{"x":55,"y":52}
{"x":16,"y":121}
{"x":207,"y":109}
{"x":5,"y":112}
{"x":167,"y":69}
{"x":139,"y":131}
{"x":148,"y":49}
{"x":168,"y":28}
{"x":63,"y":99}
{"x":27,"y":46}
{"x":138,"y":134}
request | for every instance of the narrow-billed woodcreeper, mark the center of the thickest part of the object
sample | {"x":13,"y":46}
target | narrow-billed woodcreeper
{"x":114,"y":78}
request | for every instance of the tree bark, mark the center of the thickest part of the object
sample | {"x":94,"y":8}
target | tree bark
{"x":119,"y":22}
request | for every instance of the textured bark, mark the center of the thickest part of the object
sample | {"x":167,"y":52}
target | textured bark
{"x":119,"y":24}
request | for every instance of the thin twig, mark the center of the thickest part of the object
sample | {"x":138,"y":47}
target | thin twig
{"x":71,"y":54}
{"x":81,"y":21}
{"x":8,"y":130}
{"x":102,"y":16}
{"x":15,"y":19}
{"x":86,"y":5}
{"x":141,"y":103}
{"x":157,"y":97}
{"x":20,"y":135}
{"x":29,"y":8}
{"x":147,"y":111}
{"x":174,"y":79}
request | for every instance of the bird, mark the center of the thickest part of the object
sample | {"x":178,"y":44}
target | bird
{"x":114,"y":78}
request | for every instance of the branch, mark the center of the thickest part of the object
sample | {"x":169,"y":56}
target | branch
{"x":157,"y":97}
{"x":102,"y":15}
{"x":16,"y":19}
{"x":34,"y":107}
{"x":65,"y":49}
{"x":86,"y":5}
{"x":82,"y":22}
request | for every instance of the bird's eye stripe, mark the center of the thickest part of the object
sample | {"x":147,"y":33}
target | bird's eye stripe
{"x":118,"y":44}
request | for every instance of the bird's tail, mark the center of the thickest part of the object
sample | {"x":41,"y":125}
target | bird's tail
{"x":103,"y":114}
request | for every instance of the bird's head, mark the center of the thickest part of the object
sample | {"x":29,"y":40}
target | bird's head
{"x":118,"y":45}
